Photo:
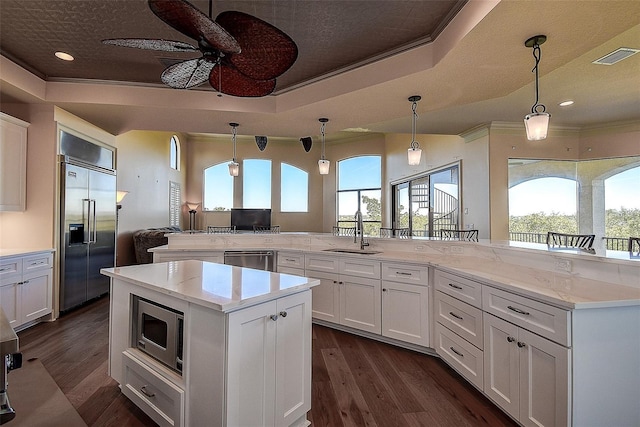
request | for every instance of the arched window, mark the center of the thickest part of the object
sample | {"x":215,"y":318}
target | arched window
{"x":539,"y":205}
{"x":218,"y":188}
{"x":294,"y":189}
{"x":359,"y":189}
{"x":174,"y":159}
{"x":256,"y":183}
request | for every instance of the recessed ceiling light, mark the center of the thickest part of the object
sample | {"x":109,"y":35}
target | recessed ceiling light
{"x":64,"y":56}
{"x":566,"y":103}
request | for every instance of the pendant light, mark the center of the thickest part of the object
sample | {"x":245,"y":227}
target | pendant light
{"x":414,"y":152}
{"x":234,"y":167}
{"x":323,"y":164}
{"x":536,"y":123}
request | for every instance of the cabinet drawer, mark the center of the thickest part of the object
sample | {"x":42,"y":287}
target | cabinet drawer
{"x":291,"y":259}
{"x":37,"y":262}
{"x":162,"y":400}
{"x":10,"y":266}
{"x":460,"y":355}
{"x":543,"y":319}
{"x":461,"y":318}
{"x":360,"y":268}
{"x":406,"y":273}
{"x":320,"y":263}
{"x":458,"y":287}
{"x":291,"y":270}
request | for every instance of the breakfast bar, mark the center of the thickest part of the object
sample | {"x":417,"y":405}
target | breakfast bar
{"x":200,"y":343}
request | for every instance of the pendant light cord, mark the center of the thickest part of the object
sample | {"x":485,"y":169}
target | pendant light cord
{"x":233,"y":136}
{"x":536,"y":56}
{"x":414,"y":143}
{"x":322,"y":131}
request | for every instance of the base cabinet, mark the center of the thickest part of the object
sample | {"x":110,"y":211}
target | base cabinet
{"x":525,"y":374}
{"x":26,"y":287}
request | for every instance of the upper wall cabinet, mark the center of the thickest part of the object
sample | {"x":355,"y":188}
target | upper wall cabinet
{"x":13,"y":163}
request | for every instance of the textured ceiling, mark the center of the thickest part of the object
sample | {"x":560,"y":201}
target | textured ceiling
{"x":359,"y":61}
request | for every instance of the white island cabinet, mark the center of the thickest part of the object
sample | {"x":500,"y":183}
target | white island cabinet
{"x":246,"y":344}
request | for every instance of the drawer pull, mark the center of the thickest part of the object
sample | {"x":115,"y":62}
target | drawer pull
{"x":273,"y":317}
{"x":5,"y":269}
{"x":521,"y":344}
{"x":517,"y":310}
{"x":402,"y":273}
{"x":455,"y":286}
{"x":511,"y":339}
{"x":384,"y":289}
{"x":290,"y":260}
{"x":456,"y":352}
{"x":145,"y":392}
{"x":37,"y":263}
{"x":455,"y":315}
{"x":283,"y":313}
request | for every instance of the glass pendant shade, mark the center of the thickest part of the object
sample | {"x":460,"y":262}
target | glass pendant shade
{"x":323,"y":166}
{"x":537,"y":125}
{"x":413,"y":155}
{"x":234,"y":168}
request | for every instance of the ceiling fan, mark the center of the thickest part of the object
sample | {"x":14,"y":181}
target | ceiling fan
{"x":241,"y":54}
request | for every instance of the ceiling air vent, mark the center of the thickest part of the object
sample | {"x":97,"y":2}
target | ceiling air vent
{"x":616,"y":56}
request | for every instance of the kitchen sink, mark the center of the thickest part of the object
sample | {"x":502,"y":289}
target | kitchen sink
{"x":352,"y":251}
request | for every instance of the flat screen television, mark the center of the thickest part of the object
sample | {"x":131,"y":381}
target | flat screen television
{"x":245,"y":219}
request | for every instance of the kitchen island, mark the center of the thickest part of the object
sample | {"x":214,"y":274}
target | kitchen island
{"x":246,"y":344}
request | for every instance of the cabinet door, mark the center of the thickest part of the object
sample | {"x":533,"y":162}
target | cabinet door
{"x":405,"y":312}
{"x":251,"y":363}
{"x":13,"y":164}
{"x":293,"y":358}
{"x":544,"y":381}
{"x":360,"y":303}
{"x":10,"y":301}
{"x":326,"y":298}
{"x":501,"y":363}
{"x":36,"y":294}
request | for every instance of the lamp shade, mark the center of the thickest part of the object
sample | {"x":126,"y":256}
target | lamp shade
{"x":323,"y":166}
{"x":120,"y":195}
{"x":414,"y":155}
{"x":537,"y":125}
{"x":192,"y":206}
{"x":234,"y":168}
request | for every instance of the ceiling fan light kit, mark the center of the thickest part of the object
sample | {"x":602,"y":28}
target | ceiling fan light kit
{"x":241,"y":55}
{"x":537,"y":123}
{"x":414,"y":152}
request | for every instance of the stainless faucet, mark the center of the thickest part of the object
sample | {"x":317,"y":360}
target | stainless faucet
{"x":359,"y":226}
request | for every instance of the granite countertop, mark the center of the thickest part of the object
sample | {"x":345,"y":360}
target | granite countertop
{"x":220,"y":287}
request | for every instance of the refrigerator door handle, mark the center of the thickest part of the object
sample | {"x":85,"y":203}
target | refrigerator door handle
{"x":86,"y":221}
{"x":94,"y":227}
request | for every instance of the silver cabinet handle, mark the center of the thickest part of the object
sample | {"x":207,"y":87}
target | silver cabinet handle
{"x":273,"y":317}
{"x":5,"y":269}
{"x":145,"y":392}
{"x":24,"y":283}
{"x":283,"y":313}
{"x":290,"y":260}
{"x":511,"y":339}
{"x":455,"y":315}
{"x":517,"y":310}
{"x":456,"y":352}
{"x":402,"y":273}
{"x":521,"y":344}
{"x":455,"y":286}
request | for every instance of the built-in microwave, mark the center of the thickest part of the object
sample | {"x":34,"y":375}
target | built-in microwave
{"x":158,"y":331}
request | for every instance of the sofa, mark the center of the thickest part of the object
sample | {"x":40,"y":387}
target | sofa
{"x":143,"y":240}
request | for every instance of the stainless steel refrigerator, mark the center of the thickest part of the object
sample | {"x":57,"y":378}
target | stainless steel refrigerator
{"x":87,"y":231}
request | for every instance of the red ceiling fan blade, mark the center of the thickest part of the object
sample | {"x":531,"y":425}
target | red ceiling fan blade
{"x":184,"y":17}
{"x":187,"y":74}
{"x":230,"y":81}
{"x":266,"y":53}
{"x":152,"y":44}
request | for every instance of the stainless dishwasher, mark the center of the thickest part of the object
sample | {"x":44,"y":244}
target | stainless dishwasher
{"x":258,"y":259}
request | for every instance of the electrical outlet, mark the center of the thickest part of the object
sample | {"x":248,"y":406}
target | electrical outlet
{"x":268,"y":240}
{"x":457,"y":249}
{"x":563,"y":265}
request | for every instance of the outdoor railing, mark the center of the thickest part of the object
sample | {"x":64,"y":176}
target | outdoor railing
{"x":611,"y":243}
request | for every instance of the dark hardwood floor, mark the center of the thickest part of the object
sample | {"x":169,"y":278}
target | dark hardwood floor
{"x":356,"y":381}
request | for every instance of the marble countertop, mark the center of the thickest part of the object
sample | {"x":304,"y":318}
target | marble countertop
{"x":220,"y":287}
{"x":7,"y":252}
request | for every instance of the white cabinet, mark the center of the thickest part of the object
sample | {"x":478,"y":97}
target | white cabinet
{"x":179,"y":255}
{"x":349,"y":292}
{"x":269,"y":371}
{"x":291,"y":263}
{"x":405,"y":303}
{"x":26,"y":287}
{"x":13,"y":163}
{"x":525,"y":374}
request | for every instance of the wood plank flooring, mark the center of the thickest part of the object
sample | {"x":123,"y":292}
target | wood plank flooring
{"x":356,"y":381}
